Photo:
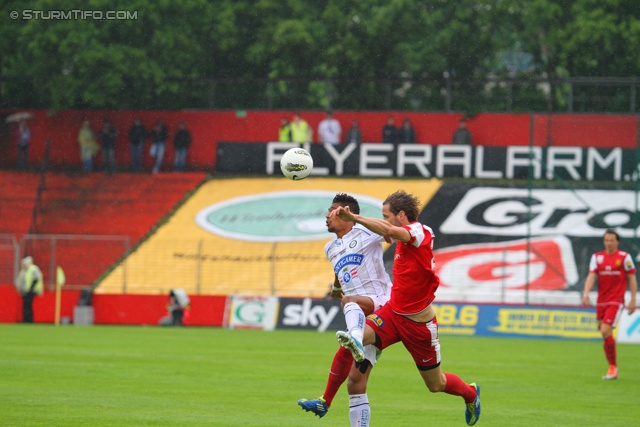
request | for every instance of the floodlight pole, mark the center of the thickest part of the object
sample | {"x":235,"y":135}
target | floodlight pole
{"x":529,"y":199}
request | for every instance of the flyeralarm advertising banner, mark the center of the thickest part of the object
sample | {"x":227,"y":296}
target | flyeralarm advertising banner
{"x":440,"y":161}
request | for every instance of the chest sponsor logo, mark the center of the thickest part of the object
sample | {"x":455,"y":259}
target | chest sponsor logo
{"x":516,"y":212}
{"x":351,"y":259}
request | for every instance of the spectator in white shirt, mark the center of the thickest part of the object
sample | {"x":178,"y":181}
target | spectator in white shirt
{"x":329,"y":130}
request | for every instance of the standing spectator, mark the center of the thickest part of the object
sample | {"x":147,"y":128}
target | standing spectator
{"x":159,"y":134}
{"x":407,"y":134}
{"x":182,"y":142}
{"x":462,"y":136}
{"x":23,"y":136}
{"x":614,"y":269}
{"x":354,"y":134}
{"x":389,"y":132}
{"x":284,"y":132}
{"x":409,"y":316}
{"x":301,"y":132}
{"x":88,"y":146}
{"x":108,"y":135}
{"x":137,"y":135}
{"x":329,"y":130}
{"x":29,"y":283}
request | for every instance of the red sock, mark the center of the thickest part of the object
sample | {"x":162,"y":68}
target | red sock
{"x":340,"y":368}
{"x":457,"y":387}
{"x":610,"y":350}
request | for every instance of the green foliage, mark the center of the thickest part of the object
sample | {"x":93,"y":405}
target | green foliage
{"x":170,"y":55}
{"x":153,"y":376}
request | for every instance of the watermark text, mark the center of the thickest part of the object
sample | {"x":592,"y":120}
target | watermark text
{"x":97,"y":15}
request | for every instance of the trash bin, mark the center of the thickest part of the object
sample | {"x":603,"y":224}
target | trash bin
{"x":83,"y":312}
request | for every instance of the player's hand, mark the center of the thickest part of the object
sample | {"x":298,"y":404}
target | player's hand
{"x":344,"y":213}
{"x":631,"y":307}
{"x":585,"y":300}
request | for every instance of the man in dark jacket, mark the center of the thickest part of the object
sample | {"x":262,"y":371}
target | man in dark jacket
{"x":137,"y":135}
{"x":390,"y":132}
{"x":182,"y":142}
{"x":108,"y":135}
{"x":159,"y":134}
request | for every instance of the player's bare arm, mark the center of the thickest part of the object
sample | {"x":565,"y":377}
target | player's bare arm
{"x":378,"y":226}
{"x":336,"y":291}
{"x":588,"y":285}
{"x":633,"y":287}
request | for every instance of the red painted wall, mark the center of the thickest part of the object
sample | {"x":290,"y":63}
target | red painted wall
{"x":206,"y":310}
{"x":209,"y":127}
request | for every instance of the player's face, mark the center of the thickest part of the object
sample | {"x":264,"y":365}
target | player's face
{"x":388,"y":216}
{"x":334,"y":223}
{"x":610,"y":243}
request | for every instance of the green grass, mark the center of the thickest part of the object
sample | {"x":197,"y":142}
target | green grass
{"x":150,"y":376}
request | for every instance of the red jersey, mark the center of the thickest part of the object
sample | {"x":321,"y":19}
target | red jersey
{"x":612,"y":271}
{"x":414,"y":279}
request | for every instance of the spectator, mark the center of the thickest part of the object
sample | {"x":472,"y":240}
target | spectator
{"x":389,"y":132}
{"x":23,"y":136}
{"x":406,"y":134}
{"x":284,"y":132}
{"x":159,"y":134}
{"x":301,"y":132}
{"x":329,"y":130}
{"x":88,"y":146}
{"x":354,"y":134}
{"x":108,"y":135}
{"x":178,"y":308}
{"x":29,"y":283}
{"x":137,"y":135}
{"x":182,"y":142}
{"x":462,"y":135}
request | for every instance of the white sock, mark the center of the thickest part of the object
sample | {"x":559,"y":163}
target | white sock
{"x":355,"y":319}
{"x":359,"y":410}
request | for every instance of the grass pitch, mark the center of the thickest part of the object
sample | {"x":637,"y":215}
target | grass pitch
{"x":151,"y":376}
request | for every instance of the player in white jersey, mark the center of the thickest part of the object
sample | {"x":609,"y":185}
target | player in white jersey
{"x":363,"y":284}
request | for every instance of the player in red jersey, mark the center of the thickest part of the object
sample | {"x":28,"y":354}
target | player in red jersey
{"x":613,"y":268}
{"x":409,"y":317}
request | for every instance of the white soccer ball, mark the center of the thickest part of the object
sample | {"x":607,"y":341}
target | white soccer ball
{"x":296,"y":164}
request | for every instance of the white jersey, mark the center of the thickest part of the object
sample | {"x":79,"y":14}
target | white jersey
{"x":357,"y":261}
{"x":329,"y":131}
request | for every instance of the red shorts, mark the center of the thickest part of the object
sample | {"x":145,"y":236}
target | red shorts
{"x":420,"y":339}
{"x":609,"y":313}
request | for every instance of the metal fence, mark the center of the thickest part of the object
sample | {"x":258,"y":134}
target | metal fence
{"x":84,"y":258}
{"x":576,"y":94}
{"x":9,"y":258}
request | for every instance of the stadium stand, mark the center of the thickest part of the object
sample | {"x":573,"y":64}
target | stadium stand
{"x":77,"y":207}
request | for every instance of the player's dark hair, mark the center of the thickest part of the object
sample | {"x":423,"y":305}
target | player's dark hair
{"x":612,"y":231}
{"x":403,"y":201}
{"x":346,"y":200}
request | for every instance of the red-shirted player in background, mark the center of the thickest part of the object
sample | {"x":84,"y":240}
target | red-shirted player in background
{"x":614,"y":268}
{"x":409,"y":317}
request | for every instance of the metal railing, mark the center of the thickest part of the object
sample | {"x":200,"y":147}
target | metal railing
{"x":84,"y":258}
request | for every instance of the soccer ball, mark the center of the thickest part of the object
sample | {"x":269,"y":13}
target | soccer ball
{"x":296,"y":164}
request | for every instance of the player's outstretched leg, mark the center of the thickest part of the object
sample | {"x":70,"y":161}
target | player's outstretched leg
{"x":351,"y":344}
{"x":472,"y":410}
{"x":317,"y":406}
